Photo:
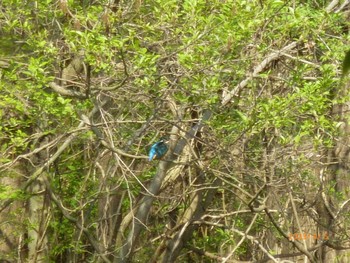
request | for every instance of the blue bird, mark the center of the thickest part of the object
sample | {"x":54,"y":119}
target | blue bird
{"x":158,"y":150}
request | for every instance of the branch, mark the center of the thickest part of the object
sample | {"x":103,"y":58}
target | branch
{"x":86,"y":232}
{"x":291,"y":255}
{"x":244,"y":235}
{"x":331,"y":6}
{"x":40,"y":170}
{"x":296,"y":217}
{"x":252,"y":238}
{"x":154,"y":188}
{"x":143,"y":210}
{"x":202,"y":252}
{"x":296,"y":244}
{"x":342,"y":6}
{"x":66,"y":92}
{"x":271,"y":57}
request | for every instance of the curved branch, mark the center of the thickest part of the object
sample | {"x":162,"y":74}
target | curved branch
{"x":66,"y":92}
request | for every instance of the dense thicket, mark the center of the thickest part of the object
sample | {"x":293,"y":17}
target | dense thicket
{"x":249,"y":93}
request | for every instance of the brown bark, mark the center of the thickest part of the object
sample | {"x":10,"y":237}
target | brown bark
{"x":12,"y":229}
{"x":333,"y":208}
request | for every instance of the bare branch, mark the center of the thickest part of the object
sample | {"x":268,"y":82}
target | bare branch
{"x":271,"y":57}
{"x":66,"y":92}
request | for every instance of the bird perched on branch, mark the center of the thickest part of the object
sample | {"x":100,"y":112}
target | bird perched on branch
{"x":158,"y":150}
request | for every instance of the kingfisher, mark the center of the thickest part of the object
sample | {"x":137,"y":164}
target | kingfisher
{"x":158,"y":150}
